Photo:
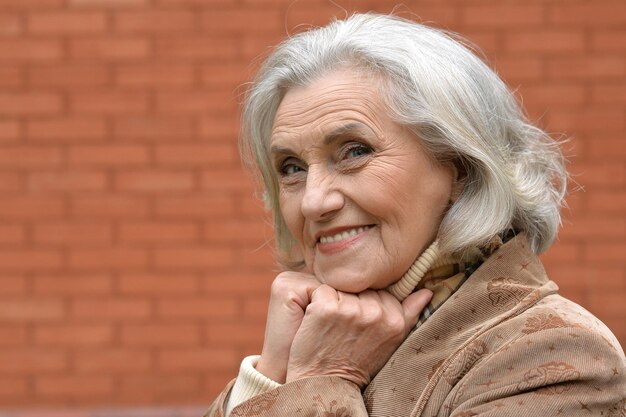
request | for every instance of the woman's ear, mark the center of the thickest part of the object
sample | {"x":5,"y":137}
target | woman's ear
{"x":458,"y":181}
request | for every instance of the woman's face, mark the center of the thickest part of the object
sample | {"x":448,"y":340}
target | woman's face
{"x":357,"y":191}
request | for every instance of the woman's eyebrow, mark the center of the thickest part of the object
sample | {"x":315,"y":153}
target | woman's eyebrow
{"x":341,"y":131}
{"x":337,"y":133}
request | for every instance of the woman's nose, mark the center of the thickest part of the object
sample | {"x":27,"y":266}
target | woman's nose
{"x":322,"y":199}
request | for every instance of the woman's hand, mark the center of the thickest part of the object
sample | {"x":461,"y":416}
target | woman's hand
{"x":351,"y":335}
{"x":290,"y":296}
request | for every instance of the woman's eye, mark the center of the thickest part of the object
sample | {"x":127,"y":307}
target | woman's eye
{"x":357,"y":151}
{"x":289,"y":167}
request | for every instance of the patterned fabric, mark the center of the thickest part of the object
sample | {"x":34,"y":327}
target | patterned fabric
{"x":503,"y":344}
{"x":446,"y":278}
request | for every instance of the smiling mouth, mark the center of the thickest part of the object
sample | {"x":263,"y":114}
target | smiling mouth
{"x":344,"y":235}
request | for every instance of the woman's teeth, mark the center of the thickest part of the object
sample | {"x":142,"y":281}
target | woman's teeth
{"x":343,"y":235}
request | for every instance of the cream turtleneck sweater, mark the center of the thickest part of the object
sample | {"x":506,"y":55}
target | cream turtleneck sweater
{"x":250,"y":382}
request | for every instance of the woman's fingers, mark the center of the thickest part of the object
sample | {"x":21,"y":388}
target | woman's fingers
{"x":413,"y":305}
{"x":351,"y":335}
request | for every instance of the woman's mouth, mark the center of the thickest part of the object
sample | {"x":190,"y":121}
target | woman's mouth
{"x":340,"y":240}
{"x":343,"y":235}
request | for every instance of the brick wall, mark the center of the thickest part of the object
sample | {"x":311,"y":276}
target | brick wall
{"x":134,"y":268}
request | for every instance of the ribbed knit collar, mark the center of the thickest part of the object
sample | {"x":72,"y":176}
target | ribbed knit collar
{"x":441,"y":273}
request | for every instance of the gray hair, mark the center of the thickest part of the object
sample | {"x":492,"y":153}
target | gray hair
{"x":513,"y":173}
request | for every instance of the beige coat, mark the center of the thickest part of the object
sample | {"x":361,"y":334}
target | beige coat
{"x":505,"y":344}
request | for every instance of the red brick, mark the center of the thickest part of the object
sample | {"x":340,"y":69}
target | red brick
{"x":216,"y":128}
{"x":68,"y":76}
{"x":113,"y":4}
{"x":99,"y":283}
{"x":586,"y":277}
{"x":544,"y":41}
{"x":107,"y":309}
{"x":585,"y":68}
{"x":30,"y":50}
{"x":12,"y":234}
{"x":11,"y":77}
{"x":200,"y":103}
{"x":31,"y":309}
{"x":72,"y":233}
{"x":483,"y":42}
{"x":612,"y":252}
{"x":14,"y":387}
{"x":73,"y":335}
{"x":172,"y":334}
{"x":108,"y":155}
{"x":155,"y":21}
{"x":116,"y":258}
{"x":195,"y":155}
{"x":110,"y":48}
{"x":31,"y":208}
{"x":73,"y":386}
{"x":160,"y":284}
{"x":24,"y":5}
{"x":607,"y":147}
{"x":197,"y":359}
{"x":30,"y":157}
{"x":562,"y":252}
{"x":594,"y":228}
{"x":502,"y":16}
{"x":154,"y":181}
{"x":13,"y":336}
{"x":609,"y":94}
{"x":515,"y":68}
{"x":600,"y":175}
{"x":219,"y":75}
{"x":590,"y":119}
{"x":57,"y":22}
{"x":155,"y":75}
{"x":607,"y":304}
{"x":157,"y":232}
{"x":67,"y":181}
{"x":109,"y":206}
{"x":30,"y":259}
{"x":10,"y":24}
{"x":194,"y":257}
{"x":589,"y":15}
{"x":66,"y":129}
{"x":546,"y":96}
{"x":229,"y":334}
{"x":32,"y":360}
{"x":179,"y":49}
{"x":255,"y":309}
{"x":240,"y":20}
{"x":196,"y":3}
{"x":148,"y":388}
{"x":607,"y":201}
{"x":196,"y":206}
{"x":13,"y":285}
{"x":27,"y":104}
{"x":10,"y":182}
{"x":110,"y":103}
{"x":257,"y":258}
{"x":9,"y":131}
{"x":608,"y":40}
{"x":109,"y":361}
{"x":156,"y":128}
{"x":237,"y":231}
{"x":238,"y":283}
{"x":227,"y":180}
{"x":197,"y":308}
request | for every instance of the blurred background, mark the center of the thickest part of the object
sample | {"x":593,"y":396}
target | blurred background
{"x":135,"y":257}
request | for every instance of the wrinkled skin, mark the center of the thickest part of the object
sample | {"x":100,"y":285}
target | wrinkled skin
{"x":345,"y":166}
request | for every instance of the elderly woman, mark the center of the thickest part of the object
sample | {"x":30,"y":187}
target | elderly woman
{"x":410,"y":199}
